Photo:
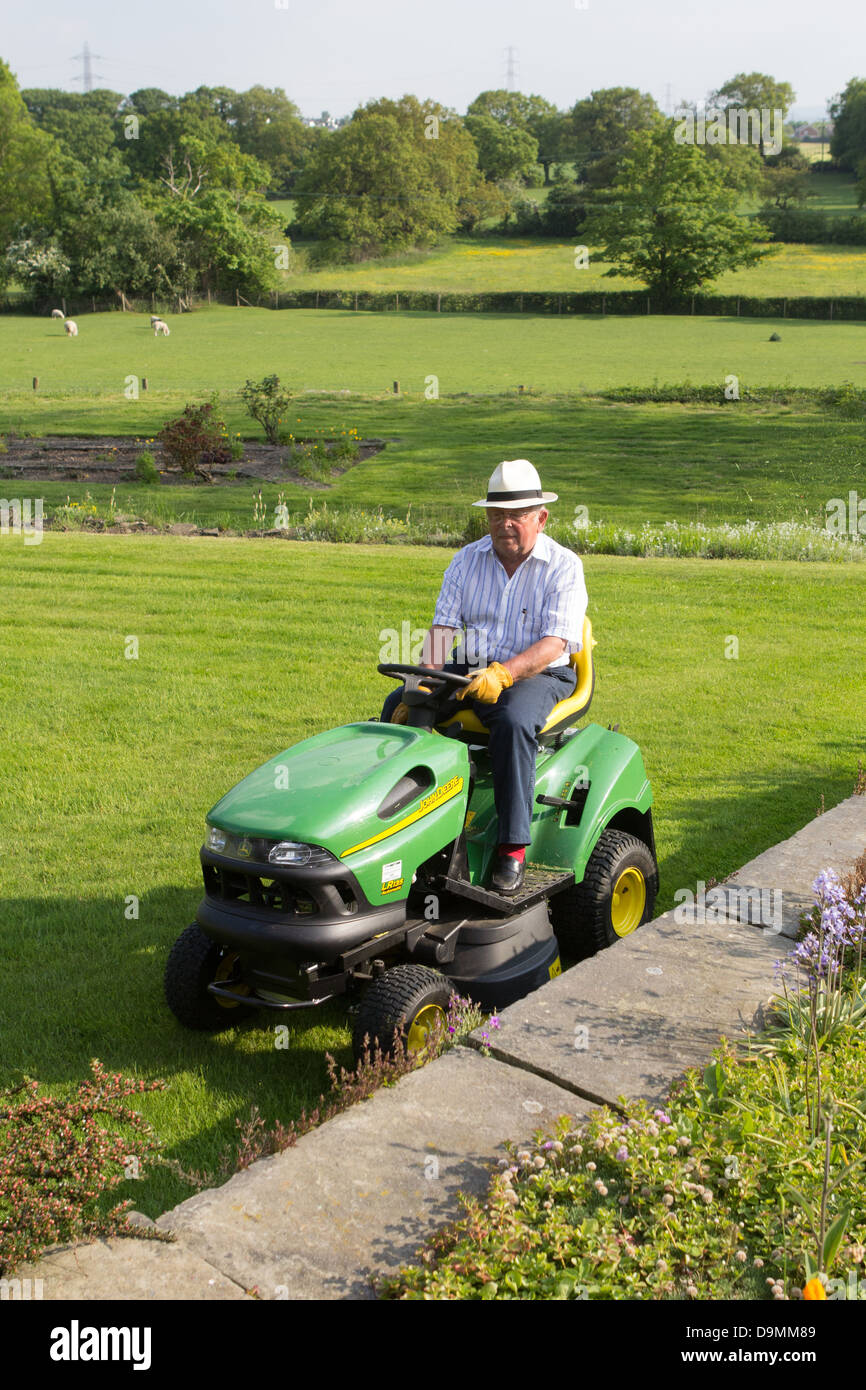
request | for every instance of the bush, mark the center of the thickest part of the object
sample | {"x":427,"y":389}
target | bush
{"x":145,"y":467}
{"x":195,"y":439}
{"x":57,"y":1158}
{"x":267,"y":403}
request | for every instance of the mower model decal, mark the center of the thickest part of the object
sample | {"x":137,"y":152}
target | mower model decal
{"x":392,"y":885}
{"x":442,"y":794}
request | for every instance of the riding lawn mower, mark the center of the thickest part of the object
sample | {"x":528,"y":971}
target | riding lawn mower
{"x":358,"y":863}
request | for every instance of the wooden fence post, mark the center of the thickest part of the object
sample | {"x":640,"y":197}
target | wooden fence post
{"x":831,"y":308}
{"x":36,"y":383}
{"x":738,"y":306}
{"x":144,"y":383}
{"x":603,"y":302}
{"x":439,"y":304}
{"x":396,"y":388}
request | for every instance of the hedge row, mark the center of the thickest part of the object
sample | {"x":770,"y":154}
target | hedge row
{"x":572,"y":302}
{"x":847,"y":307}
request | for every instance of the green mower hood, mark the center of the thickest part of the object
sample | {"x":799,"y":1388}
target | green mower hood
{"x":382,"y":798}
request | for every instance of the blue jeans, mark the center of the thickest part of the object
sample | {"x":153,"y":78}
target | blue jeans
{"x":514,"y":723}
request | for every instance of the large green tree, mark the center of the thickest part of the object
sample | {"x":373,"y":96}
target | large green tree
{"x":25,"y":189}
{"x":597,"y":129}
{"x":670,"y":221}
{"x":848,"y":111}
{"x":517,"y":111}
{"x":266,"y":124}
{"x":755,"y":91}
{"x":392,"y":178}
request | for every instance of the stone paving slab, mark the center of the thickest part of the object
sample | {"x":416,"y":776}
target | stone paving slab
{"x":122,"y":1268}
{"x":354,"y":1195}
{"x":630,"y":1019}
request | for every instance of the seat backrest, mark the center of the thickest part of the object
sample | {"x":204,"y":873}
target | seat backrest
{"x":573,"y":707}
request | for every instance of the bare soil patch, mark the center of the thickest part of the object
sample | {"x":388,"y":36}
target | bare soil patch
{"x":111,"y":459}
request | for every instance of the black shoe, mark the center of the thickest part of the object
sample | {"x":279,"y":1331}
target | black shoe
{"x":508,"y":875}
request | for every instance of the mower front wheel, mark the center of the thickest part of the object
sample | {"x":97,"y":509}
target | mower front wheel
{"x":615,"y":896}
{"x":409,"y":1000}
{"x":196,"y":961}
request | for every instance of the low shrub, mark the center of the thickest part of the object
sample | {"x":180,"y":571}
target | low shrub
{"x":58,"y":1157}
{"x":195,"y":439}
{"x":145,"y":467}
{"x":267,"y":402}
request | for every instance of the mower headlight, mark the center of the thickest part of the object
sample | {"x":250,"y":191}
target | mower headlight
{"x":216,"y":839}
{"x":292,"y":852}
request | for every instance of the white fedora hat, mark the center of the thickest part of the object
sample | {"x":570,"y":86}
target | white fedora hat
{"x":515,"y":483}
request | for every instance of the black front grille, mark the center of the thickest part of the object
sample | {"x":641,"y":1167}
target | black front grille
{"x":273,"y":894}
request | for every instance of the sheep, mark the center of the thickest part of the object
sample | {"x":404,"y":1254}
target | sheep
{"x":159,"y":326}
{"x":71,"y":329}
{"x":57,"y":314}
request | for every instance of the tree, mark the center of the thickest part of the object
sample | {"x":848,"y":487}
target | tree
{"x":597,"y":128}
{"x":754,"y":91}
{"x":565,"y":209}
{"x":264,"y":123}
{"x":787,"y":178}
{"x":24,"y":155}
{"x":671,"y":221}
{"x":392,"y":178}
{"x":533,"y":115}
{"x":484,"y":203}
{"x":504,"y":151}
{"x":224,"y":239}
{"x":848,"y":111}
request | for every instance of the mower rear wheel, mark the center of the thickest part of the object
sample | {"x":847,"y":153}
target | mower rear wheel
{"x":195,"y":961}
{"x":616,"y":896}
{"x":409,"y":999}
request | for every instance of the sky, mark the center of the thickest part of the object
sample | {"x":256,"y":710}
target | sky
{"x":335,"y":55}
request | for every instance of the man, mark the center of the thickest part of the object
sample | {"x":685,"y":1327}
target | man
{"x":520,"y":600}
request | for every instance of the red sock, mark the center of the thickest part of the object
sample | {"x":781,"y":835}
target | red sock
{"x":517,"y":852}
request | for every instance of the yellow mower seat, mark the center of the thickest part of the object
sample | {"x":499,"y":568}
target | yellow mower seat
{"x":573,"y":707}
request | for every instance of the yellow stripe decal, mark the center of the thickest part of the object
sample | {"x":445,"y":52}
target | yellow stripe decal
{"x":437,"y":798}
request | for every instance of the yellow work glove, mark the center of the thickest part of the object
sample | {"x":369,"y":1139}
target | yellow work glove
{"x":488,"y":684}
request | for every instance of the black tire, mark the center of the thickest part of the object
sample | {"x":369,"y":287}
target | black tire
{"x":581,"y":915}
{"x":394,"y":1001}
{"x":192,"y":965}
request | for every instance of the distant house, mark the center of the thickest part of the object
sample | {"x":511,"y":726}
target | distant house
{"x":810,"y":131}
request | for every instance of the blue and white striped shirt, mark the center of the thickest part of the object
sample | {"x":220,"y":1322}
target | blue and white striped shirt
{"x":545,"y":597}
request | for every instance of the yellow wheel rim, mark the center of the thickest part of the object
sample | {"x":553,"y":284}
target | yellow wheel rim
{"x":421,"y":1027}
{"x":225,"y":970}
{"x":628,"y":902}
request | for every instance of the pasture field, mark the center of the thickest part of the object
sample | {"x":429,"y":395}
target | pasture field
{"x":471,"y":265}
{"x":110,"y":765}
{"x":628,"y":462}
{"x":83,"y":381}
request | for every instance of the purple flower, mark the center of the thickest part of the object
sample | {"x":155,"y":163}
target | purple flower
{"x":494,"y":1021}
{"x":622,"y":1154}
{"x":662,"y":1118}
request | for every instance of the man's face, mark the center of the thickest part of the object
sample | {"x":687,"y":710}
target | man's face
{"x":514,"y":530}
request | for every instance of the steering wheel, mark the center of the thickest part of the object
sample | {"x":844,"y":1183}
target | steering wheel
{"x":444,"y":678}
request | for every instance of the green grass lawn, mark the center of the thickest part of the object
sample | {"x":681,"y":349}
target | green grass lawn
{"x":833,"y":194}
{"x":110,"y":765}
{"x":626,"y":463}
